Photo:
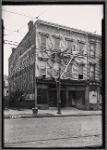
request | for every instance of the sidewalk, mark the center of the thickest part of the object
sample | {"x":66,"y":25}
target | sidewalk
{"x":51,"y":112}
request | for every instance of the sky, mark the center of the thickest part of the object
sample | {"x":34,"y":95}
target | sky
{"x":83,"y":17}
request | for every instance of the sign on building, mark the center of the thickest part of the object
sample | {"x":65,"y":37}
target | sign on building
{"x":93,"y":97}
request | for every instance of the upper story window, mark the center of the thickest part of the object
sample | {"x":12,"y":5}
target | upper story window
{"x":55,"y":57}
{"x":92,"y":72}
{"x":57,"y":43}
{"x":92,"y":50}
{"x":42,"y":64}
{"x":43,"y":42}
{"x":80,"y":72}
{"x":69,"y":46}
{"x":81,"y":50}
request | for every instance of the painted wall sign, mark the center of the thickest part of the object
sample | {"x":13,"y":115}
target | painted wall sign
{"x":23,"y":61}
{"x":93,"y":97}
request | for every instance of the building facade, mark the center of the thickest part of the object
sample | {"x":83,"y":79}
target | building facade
{"x":48,"y":53}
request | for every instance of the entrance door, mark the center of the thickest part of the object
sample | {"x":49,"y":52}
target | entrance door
{"x":52,"y":98}
{"x":63,"y":99}
{"x":72,"y":98}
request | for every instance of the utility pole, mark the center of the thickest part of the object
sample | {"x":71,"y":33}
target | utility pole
{"x":59,"y":88}
{"x":35,"y":109}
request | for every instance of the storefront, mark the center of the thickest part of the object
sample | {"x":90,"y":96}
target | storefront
{"x":78,"y":94}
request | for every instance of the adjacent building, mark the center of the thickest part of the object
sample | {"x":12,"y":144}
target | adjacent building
{"x":50,"y":52}
{"x":5,"y":92}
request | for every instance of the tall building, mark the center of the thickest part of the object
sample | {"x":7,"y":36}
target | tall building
{"x":50,"y":52}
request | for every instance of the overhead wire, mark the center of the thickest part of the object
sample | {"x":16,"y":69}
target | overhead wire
{"x":14,"y":31}
{"x":32,"y":19}
{"x":25,"y":16}
{"x":17,"y":13}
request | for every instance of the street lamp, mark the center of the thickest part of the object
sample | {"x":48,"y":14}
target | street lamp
{"x":57,"y":68}
{"x":58,"y":85}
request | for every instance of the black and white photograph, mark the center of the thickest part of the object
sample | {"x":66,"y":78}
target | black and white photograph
{"x":52,"y":75}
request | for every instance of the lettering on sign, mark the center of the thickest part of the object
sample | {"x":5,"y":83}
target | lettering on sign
{"x":22,"y":62}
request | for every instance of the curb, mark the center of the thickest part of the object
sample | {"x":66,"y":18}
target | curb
{"x":46,"y":115}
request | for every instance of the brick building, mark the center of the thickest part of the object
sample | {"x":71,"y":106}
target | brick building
{"x":49,"y":51}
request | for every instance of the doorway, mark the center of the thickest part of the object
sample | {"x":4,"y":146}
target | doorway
{"x":76,"y":97}
{"x":72,"y":98}
{"x":52,"y":98}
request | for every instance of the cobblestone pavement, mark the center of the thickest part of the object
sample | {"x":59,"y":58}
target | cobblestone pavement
{"x":53,"y":132}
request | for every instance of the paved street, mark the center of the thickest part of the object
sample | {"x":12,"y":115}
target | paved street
{"x":53,"y":132}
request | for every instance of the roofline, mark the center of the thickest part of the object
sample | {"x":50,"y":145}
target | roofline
{"x":67,"y":28}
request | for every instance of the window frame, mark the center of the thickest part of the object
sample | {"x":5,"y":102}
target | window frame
{"x":56,"y":47}
{"x":80,"y":65}
{"x":81,"y":48}
{"x":92,"y":65}
{"x":43,"y":42}
{"x":92,"y":55}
